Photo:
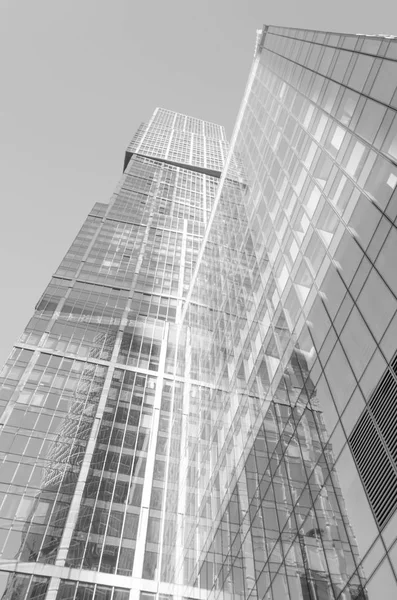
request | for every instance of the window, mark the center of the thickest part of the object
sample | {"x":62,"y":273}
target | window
{"x":381,"y":182}
{"x":360,"y":72}
{"x":385,"y":82}
{"x":370,"y":120}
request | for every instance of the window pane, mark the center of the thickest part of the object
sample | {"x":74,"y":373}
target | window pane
{"x":385,"y":82}
{"x":360,"y":72}
{"x":390,"y":143}
{"x":364,"y":220}
{"x":357,"y":342}
{"x":347,"y":106}
{"x":383,"y":583}
{"x":341,"y":65}
{"x":340,"y":377}
{"x":354,"y":158}
{"x":381,"y":181}
{"x":370,"y":120}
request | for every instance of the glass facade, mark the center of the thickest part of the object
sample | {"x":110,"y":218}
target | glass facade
{"x":204,"y":402}
{"x":92,"y":396}
{"x":292,"y":318}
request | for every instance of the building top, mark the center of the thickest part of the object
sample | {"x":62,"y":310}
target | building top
{"x":181,"y":140}
{"x":169,"y":118}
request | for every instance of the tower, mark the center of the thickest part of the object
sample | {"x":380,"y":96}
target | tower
{"x":92,"y":396}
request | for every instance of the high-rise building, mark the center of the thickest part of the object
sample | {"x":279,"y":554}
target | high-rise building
{"x":204,"y":402}
{"x":92,"y":397}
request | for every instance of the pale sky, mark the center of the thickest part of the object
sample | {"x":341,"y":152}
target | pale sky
{"x":79,"y":76}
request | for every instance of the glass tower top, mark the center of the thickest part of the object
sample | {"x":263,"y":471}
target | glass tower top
{"x":181,"y":139}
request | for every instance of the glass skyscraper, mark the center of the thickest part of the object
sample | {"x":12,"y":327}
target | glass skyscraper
{"x":204,"y":404}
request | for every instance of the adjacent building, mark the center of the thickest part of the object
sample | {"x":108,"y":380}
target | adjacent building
{"x":204,"y":402}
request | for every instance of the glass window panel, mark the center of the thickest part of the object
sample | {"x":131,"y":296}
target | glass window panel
{"x":103,"y":592}
{"x":292,"y":307}
{"x":385,"y":82}
{"x":327,"y":223}
{"x":292,"y":248}
{"x":335,"y":139}
{"x":342,"y":62}
{"x":25,"y":508}
{"x":327,"y":405}
{"x":120,"y":594}
{"x":6,"y":440}
{"x":340,"y":377}
{"x":354,"y":158}
{"x":312,"y":199}
{"x":377,"y":304}
{"x":370,"y":120}
{"x":308,"y":116}
{"x":309,"y":153}
{"x":393,"y":556}
{"x":16,"y":585}
{"x":314,"y":254}
{"x":322,"y":169}
{"x":357,"y":342}
{"x":360,"y":72}
{"x":392,"y":49}
{"x":317,"y":87}
{"x":364,"y":220}
{"x":320,"y":128}
{"x":282,"y":276}
{"x":326,"y":60}
{"x":383,"y":583}
{"x":370,"y":46}
{"x":38,"y":588}
{"x":347,"y":106}
{"x":386,"y":261}
{"x":333,"y":291}
{"x":319,"y":321}
{"x":153,"y":531}
{"x":390,"y":143}
{"x":9,"y":506}
{"x":381,"y":181}
{"x":150,"y":565}
{"x":126,"y":560}
{"x":349,"y":256}
{"x":13,"y":544}
{"x":301,"y":225}
{"x":330,"y":96}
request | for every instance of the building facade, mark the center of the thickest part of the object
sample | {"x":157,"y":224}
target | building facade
{"x":204,"y":402}
{"x":296,"y":288}
{"x":91,"y":394}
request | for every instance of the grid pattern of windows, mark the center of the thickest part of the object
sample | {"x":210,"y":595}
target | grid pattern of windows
{"x":292,"y":320}
{"x":91,"y":425}
{"x":70,"y":590}
{"x":277,"y":488}
{"x":46,"y":429}
{"x":105,"y":533}
{"x":16,"y":585}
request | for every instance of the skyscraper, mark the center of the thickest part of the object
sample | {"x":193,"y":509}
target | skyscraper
{"x":92,"y":396}
{"x":203,"y":404}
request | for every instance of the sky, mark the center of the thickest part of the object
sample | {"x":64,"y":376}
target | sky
{"x":79,"y":76}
